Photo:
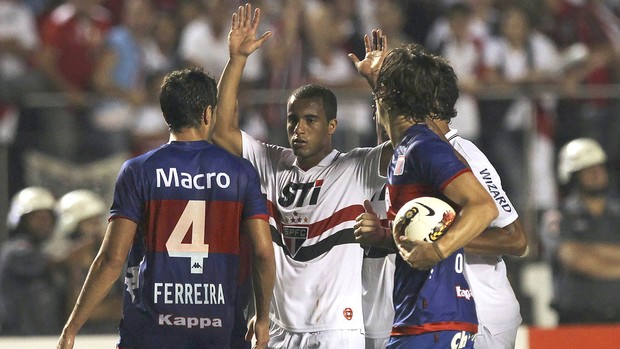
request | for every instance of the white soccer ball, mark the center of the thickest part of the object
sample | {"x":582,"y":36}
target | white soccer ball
{"x":426,"y":218}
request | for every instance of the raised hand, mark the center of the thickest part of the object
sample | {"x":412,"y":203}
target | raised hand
{"x":376,"y":51}
{"x":242,"y":39}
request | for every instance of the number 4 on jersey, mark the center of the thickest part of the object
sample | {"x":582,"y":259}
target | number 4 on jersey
{"x":192,"y":217}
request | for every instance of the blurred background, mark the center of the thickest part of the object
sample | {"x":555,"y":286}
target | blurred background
{"x":79,"y":84}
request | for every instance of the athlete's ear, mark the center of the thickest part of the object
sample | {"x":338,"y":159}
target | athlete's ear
{"x":208,"y":116}
{"x":331,"y":126}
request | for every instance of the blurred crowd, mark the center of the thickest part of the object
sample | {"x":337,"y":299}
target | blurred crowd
{"x":45,"y":260}
{"x":79,"y":83}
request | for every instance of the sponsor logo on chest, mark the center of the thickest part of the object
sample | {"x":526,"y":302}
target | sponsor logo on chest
{"x":200,"y":181}
{"x":295,"y":195}
{"x":300,"y":194}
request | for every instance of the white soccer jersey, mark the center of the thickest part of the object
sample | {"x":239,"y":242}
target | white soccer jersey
{"x":496,"y":304}
{"x":318,"y":263}
{"x":378,"y":283}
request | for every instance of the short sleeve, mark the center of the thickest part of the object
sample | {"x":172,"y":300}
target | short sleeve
{"x":254,"y":205}
{"x":127,"y":202}
{"x":436,"y":162}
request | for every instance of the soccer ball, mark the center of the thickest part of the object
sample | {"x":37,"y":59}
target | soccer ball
{"x":426,"y":218}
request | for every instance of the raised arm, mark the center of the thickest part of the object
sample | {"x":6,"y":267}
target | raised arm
{"x":263,"y":278}
{"x":242,"y":42}
{"x":376,"y":51}
{"x":103,"y":273}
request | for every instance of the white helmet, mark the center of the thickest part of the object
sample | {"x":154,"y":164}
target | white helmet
{"x":577,"y":155}
{"x":29,"y":200}
{"x":76,"y":206}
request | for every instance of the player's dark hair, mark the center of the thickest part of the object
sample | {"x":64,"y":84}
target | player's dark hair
{"x":417,"y":84}
{"x":330,"y":105}
{"x":184,"y":96}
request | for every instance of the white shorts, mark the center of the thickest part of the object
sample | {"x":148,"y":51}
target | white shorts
{"x":280,"y":338}
{"x":376,"y":343}
{"x":502,"y":340}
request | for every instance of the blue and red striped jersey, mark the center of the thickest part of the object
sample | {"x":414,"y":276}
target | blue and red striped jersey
{"x":188,"y":199}
{"x":437,"y":299}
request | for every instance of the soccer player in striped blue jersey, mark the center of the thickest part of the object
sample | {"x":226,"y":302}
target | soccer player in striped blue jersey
{"x":181,"y":211}
{"x":433,"y":304}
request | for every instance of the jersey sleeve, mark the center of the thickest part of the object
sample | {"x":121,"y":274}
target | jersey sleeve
{"x":254,"y":206}
{"x":127,"y":202}
{"x":264,"y":157}
{"x":368,"y":171}
{"x":490,"y":180}
{"x":436,"y":162}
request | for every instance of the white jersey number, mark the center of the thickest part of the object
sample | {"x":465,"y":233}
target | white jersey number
{"x":192,"y":217}
{"x":458,"y":263}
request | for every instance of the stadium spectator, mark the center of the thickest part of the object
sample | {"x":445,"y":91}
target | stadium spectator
{"x":581,"y":238}
{"x":148,"y":130}
{"x":19,"y":40}
{"x":464,"y":48}
{"x":596,"y":26}
{"x":522,"y":58}
{"x":80,"y":230}
{"x":161,"y":51}
{"x":119,"y":78}
{"x":286,"y":57}
{"x":209,"y":29}
{"x":30,"y":297}
{"x":391,"y":19}
{"x":330,"y":27}
{"x":72,"y":37}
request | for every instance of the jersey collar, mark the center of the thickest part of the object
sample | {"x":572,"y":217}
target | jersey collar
{"x":453,"y":133}
{"x":327,"y":160}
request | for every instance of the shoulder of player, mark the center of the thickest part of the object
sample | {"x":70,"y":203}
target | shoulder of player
{"x":360,"y":152}
{"x":272,"y":151}
{"x":474,"y":156}
{"x":424,"y":143}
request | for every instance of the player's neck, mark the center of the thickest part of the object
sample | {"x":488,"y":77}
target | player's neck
{"x":188,"y":135}
{"x":307,"y":162}
{"x":397,"y":129}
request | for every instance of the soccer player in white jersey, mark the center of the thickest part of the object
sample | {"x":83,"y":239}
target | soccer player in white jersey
{"x":496,"y":304}
{"x":379,"y":264}
{"x":377,"y":283}
{"x":314,"y":194}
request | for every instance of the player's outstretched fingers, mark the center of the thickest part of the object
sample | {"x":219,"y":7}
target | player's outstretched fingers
{"x":353,"y":58}
{"x":248,"y":15}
